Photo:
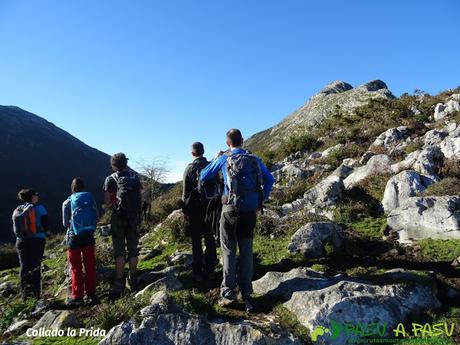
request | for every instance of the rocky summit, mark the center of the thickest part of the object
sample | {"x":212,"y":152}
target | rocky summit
{"x":336,"y":95}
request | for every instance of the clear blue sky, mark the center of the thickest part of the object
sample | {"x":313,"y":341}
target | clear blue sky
{"x":150,"y":77}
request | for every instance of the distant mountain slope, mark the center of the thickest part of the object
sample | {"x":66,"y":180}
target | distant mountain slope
{"x":35,"y":153}
{"x":318,"y":107}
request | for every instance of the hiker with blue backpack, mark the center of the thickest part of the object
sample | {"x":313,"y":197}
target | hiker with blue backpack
{"x":30,"y":222}
{"x":196,"y":198}
{"x":79,"y":217}
{"x":248,"y":183}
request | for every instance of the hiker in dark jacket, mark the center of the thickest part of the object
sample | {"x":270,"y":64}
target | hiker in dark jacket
{"x":247,"y":184}
{"x":123,"y":194}
{"x":195,"y":205}
{"x":79,"y":217}
{"x":31,"y":245}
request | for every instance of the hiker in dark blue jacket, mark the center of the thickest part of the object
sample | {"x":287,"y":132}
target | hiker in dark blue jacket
{"x":248,"y":183}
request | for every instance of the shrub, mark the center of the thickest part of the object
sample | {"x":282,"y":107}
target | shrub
{"x":304,"y":142}
{"x":336,"y":157}
{"x":193,"y":302}
{"x":291,"y":192}
{"x":111,"y":314}
{"x":350,"y":212}
{"x":358,"y":271}
{"x":447,"y":186}
{"x":374,"y":185}
{"x":165,"y":204}
{"x":268,"y":157}
{"x":450,"y":168}
{"x":319,"y":268}
{"x":358,"y":204}
{"x":104,"y":252}
{"x":413,"y":147}
{"x":266,"y":225}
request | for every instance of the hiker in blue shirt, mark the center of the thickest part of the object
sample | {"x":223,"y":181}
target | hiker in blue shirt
{"x":248,"y":183}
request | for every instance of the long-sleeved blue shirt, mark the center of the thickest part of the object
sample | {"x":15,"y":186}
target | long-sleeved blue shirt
{"x":219,"y":164}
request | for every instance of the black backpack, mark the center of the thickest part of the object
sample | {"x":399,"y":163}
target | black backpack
{"x":129,"y":198}
{"x":203,"y":193}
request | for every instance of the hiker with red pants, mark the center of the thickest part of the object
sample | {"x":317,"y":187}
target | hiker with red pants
{"x":79,"y":216}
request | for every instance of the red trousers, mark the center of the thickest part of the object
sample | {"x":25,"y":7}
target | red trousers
{"x":83,"y":282}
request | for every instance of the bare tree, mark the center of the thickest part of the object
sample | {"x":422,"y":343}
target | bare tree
{"x":153,"y":175}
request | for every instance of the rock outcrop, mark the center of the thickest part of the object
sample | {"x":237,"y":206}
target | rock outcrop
{"x":321,"y":301}
{"x":311,"y":238}
{"x":283,"y":284}
{"x":326,"y":193}
{"x":359,"y":302}
{"x":402,"y":186}
{"x":378,"y":164}
{"x":444,"y":109}
{"x":165,"y":323}
{"x":426,"y":217}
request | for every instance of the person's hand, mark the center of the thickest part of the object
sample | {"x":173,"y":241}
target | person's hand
{"x":218,"y":154}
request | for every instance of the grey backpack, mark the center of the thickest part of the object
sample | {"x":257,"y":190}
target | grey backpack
{"x":24,"y":221}
{"x":244,"y":182}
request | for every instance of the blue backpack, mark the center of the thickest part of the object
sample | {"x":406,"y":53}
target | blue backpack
{"x":244,"y":182}
{"x":84,"y":217}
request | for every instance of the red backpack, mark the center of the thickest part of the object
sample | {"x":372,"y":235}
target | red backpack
{"x":24,"y":221}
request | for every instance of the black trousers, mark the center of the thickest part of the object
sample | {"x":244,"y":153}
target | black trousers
{"x":30,"y":252}
{"x":199,"y":230}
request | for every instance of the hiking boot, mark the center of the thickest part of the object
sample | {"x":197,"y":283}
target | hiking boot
{"x":92,"y":300}
{"x":117,"y":289}
{"x":74,"y":302}
{"x":226,"y":301}
{"x":248,"y":305}
{"x":133,"y":283}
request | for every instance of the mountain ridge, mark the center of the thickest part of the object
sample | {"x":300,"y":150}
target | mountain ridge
{"x":31,"y":143}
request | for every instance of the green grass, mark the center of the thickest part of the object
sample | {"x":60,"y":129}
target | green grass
{"x":319,"y":267}
{"x":271,"y":251}
{"x":12,"y":308}
{"x":194,"y":302}
{"x":123,"y":309}
{"x":370,"y":227}
{"x":162,"y":259}
{"x":289,"y":321}
{"x":440,"y":250}
{"x":66,"y":341}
